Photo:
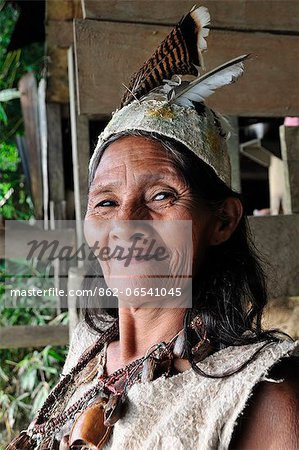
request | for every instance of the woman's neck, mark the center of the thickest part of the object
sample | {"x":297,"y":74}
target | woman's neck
{"x":139,"y":329}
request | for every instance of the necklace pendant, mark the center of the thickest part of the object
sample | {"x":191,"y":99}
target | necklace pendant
{"x":148,"y":370}
{"x":179,"y":346}
{"x":113,"y":410}
{"x":89,"y":429}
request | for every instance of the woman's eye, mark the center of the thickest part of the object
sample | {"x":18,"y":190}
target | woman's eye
{"x":106,"y":203}
{"x":163,"y":196}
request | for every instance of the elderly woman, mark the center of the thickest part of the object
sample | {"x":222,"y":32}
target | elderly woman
{"x":173,"y":368}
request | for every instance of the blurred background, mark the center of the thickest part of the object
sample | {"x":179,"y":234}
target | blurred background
{"x":62,"y":68}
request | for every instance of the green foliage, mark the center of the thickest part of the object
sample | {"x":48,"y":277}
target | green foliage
{"x":10,"y":113}
{"x":24,"y":385}
{"x":13,"y":65}
{"x":26,"y":375}
{"x":8,"y":18}
{"x":9,"y":158}
{"x":14,"y":200}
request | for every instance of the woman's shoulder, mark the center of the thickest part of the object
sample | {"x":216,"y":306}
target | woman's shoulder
{"x":252,"y":390}
{"x":256,"y":358}
{"x":270,"y":419}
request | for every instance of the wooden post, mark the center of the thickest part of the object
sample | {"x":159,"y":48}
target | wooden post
{"x":80,"y":151}
{"x":83,"y":158}
{"x":44,"y":147}
{"x":55,"y":160}
{"x":276,"y":185}
{"x":289,"y":138}
{"x":234,"y":153}
{"x":29,"y":104}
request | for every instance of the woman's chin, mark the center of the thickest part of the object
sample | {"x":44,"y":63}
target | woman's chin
{"x":162,"y":292}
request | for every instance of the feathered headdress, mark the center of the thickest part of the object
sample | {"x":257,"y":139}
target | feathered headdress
{"x":160,"y":101}
{"x":179,"y":53}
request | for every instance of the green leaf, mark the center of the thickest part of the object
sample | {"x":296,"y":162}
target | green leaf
{"x":3,"y":375}
{"x":3,"y":116}
{"x":9,"y":94}
{"x":29,"y":379}
{"x":56,"y":355}
{"x":40,"y":397}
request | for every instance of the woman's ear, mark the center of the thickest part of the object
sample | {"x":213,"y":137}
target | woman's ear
{"x":225,"y":225}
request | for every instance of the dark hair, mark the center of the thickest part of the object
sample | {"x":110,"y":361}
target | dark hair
{"x":230,"y":294}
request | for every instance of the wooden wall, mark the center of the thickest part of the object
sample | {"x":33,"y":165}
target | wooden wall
{"x":273,"y":236}
{"x":125,"y":33}
{"x":263,"y":15}
{"x":59,"y":37}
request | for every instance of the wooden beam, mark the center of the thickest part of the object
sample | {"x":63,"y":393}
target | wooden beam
{"x":274,"y":237}
{"x":29,"y":104}
{"x":100,"y":78}
{"x":277,"y":186}
{"x":256,"y":152}
{"x":233,"y":14}
{"x":57,"y":88}
{"x":55,"y":159}
{"x":59,"y":33}
{"x":233,"y":147}
{"x":63,"y":9}
{"x":108,"y":53}
{"x":24,"y":336}
{"x":289,"y":139}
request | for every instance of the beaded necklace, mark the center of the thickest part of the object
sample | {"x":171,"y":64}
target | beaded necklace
{"x":104,"y":402}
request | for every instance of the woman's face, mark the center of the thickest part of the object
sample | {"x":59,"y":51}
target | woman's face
{"x":138,"y":192}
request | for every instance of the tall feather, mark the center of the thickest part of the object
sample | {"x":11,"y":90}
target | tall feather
{"x":203,"y":86}
{"x":179,"y":53}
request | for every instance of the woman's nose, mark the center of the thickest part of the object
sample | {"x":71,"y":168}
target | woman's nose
{"x":129,"y":230}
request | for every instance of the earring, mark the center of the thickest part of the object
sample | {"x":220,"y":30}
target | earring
{"x":196,"y":323}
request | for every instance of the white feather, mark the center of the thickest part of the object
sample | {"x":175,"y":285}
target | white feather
{"x":204,"y":86}
{"x":201,"y":16}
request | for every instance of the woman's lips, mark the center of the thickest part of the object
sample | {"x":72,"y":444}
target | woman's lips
{"x":149,"y":259}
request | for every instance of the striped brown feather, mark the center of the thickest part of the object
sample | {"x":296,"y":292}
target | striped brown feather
{"x":179,"y":53}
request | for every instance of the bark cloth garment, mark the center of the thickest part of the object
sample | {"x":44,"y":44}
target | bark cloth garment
{"x":186,"y":410}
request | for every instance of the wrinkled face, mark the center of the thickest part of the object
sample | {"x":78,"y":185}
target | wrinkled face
{"x":139,"y":193}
